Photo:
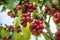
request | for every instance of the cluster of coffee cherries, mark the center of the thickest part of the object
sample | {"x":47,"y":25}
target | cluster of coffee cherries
{"x":27,"y":11}
{"x":26,"y":18}
{"x":12,"y":14}
{"x":12,"y":29}
{"x":6,"y":38}
{"x":56,"y":13}
{"x":37,"y":27}
{"x":53,"y":10}
{"x":57,"y":34}
{"x":29,"y":7}
{"x":47,"y":10}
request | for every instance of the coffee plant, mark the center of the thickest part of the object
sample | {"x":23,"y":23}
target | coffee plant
{"x":30,"y":19}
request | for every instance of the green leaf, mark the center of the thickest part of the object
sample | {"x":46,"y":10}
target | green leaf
{"x":34,"y":16}
{"x":4,"y":32}
{"x":3,"y":2}
{"x":49,"y":3}
{"x":58,"y":25}
{"x":0,"y":31}
{"x":36,"y":1}
{"x":46,"y":36}
{"x":57,"y":2}
{"x":17,"y":36}
{"x":12,"y":4}
{"x":26,"y":32}
{"x":17,"y":21}
{"x":20,"y":13}
{"x":41,"y":3}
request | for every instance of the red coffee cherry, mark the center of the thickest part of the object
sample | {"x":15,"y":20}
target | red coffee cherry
{"x":56,"y":20}
{"x":41,"y":26}
{"x":29,"y":19}
{"x":54,"y":6}
{"x":30,"y":5}
{"x":57,"y":34}
{"x":23,"y":23}
{"x":56,"y":15}
{"x":46,"y":8}
{"x":11,"y":28}
{"x":49,"y":12}
{"x":18,"y":7}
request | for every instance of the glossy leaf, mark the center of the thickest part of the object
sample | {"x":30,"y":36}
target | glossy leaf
{"x":34,"y":16}
{"x":4,"y":32}
{"x":0,"y":31}
{"x":17,"y":36}
{"x":58,"y":25}
{"x":26,"y":32}
{"x":49,"y":3}
{"x":41,"y":3}
{"x":58,"y":4}
{"x":36,"y":1}
{"x":17,"y":21}
{"x":12,"y":4}
{"x":20,"y":13}
{"x":55,"y":1}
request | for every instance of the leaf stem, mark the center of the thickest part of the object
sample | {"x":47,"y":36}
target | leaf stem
{"x":49,"y":19}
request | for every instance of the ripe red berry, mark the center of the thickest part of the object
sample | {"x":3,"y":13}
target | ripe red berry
{"x":10,"y":28}
{"x":26,"y":5}
{"x":29,"y":19}
{"x":57,"y":34}
{"x":30,"y":5}
{"x":56,"y":20}
{"x":30,"y":10}
{"x":23,"y":23}
{"x":28,"y":13}
{"x":59,"y":29}
{"x":38,"y":22}
{"x":54,"y":6}
{"x":41,"y":22}
{"x":24,"y":18}
{"x":41,"y":26}
{"x":49,"y":12}
{"x":56,"y":15}
{"x":18,"y":7}
{"x":46,"y":8}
